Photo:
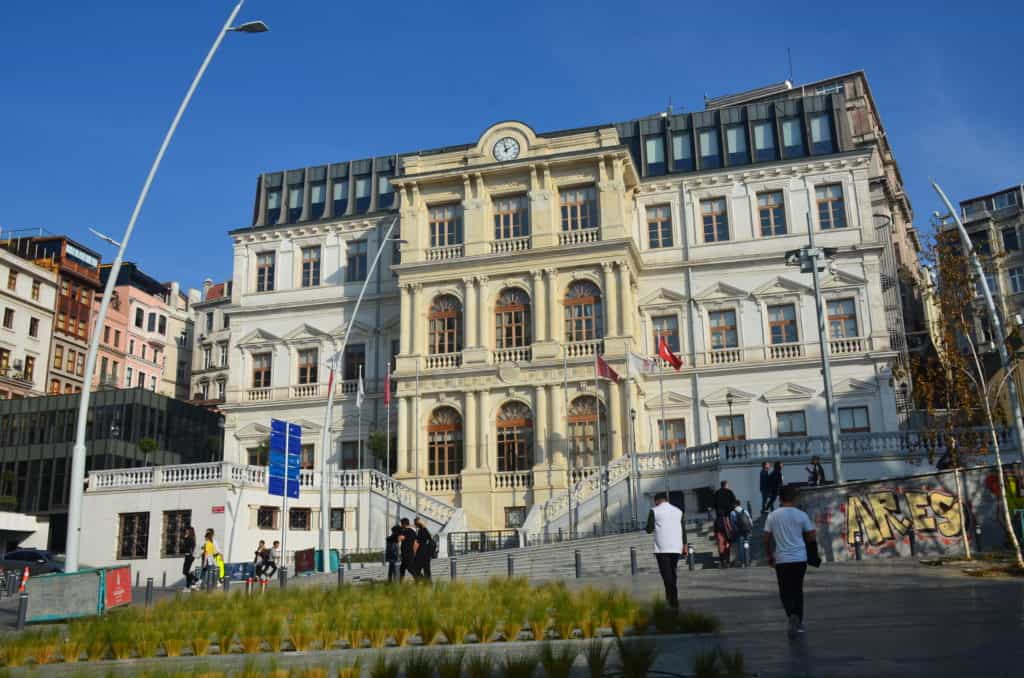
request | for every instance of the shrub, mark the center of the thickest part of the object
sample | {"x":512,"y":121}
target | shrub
{"x":597,"y":657}
{"x":637,"y":657}
{"x":557,"y":663}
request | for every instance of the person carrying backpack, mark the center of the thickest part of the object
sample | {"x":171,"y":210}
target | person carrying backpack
{"x":742,"y":526}
{"x":423,"y":551}
{"x":391,"y":552}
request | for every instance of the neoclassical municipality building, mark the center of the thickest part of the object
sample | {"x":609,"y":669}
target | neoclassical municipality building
{"x":524,"y":254}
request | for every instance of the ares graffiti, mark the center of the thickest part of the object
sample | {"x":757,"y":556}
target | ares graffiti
{"x":879,"y":517}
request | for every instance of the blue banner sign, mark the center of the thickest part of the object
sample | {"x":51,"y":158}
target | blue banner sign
{"x":285,"y":454}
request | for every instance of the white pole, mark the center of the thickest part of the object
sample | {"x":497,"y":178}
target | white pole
{"x":326,"y":445}
{"x":600,"y":456}
{"x":78,"y":451}
{"x":359,"y":442}
{"x":284,"y":502}
{"x":333,"y":362}
{"x":416,"y":436}
{"x":664,"y":433}
{"x":571,"y":449}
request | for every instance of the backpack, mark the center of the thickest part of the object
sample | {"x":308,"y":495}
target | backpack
{"x":746,"y":525}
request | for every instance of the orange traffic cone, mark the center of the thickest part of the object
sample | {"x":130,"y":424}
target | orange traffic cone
{"x":24,"y":580}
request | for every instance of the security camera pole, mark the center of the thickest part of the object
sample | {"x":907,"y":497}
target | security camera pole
{"x":812,"y":260}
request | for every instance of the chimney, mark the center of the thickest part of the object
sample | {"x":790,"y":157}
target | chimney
{"x":207,"y":284}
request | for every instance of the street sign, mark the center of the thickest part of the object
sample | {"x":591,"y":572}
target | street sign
{"x":285,"y":454}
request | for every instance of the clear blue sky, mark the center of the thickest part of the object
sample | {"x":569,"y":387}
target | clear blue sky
{"x":87,"y":90}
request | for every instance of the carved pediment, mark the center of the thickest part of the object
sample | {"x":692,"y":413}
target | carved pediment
{"x":663,"y":297}
{"x":839,"y":279}
{"x":252,"y":430}
{"x":721,"y":291}
{"x":258,"y":337}
{"x":788,"y":391}
{"x":305,"y":332}
{"x":671,"y":399}
{"x":854,"y":387}
{"x":358,"y":329}
{"x":721,"y":397}
{"x":779,"y":286}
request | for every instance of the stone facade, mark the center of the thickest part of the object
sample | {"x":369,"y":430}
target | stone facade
{"x":211,"y":343}
{"x":27,"y":296}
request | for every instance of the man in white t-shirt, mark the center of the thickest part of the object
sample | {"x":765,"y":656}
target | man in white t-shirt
{"x":788,"y":536}
{"x":665,"y":521}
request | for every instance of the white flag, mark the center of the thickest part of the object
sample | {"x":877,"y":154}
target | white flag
{"x":360,"y":393}
{"x":639,"y":365}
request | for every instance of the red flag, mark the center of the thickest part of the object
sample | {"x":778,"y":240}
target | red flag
{"x":605,"y":370}
{"x":667,"y":355}
{"x":387,"y":389}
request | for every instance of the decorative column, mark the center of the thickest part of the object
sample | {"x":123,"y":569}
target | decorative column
{"x":481,"y":312}
{"x":541,"y":436}
{"x":483,"y":459}
{"x":469,"y":424}
{"x":404,"y":456}
{"x":626,"y":290}
{"x":556,"y":422}
{"x":470,"y":309}
{"x":615,"y":429}
{"x":611,"y":301}
{"x":555,"y":294}
{"x":405,"y":320}
{"x":415,"y":331}
{"x":539,"y":309}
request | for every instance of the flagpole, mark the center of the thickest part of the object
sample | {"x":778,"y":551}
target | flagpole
{"x":664,"y":436}
{"x":634,"y":462}
{"x":387,"y":452}
{"x":600,"y":454}
{"x":416,"y":436}
{"x":570,"y":449}
{"x":360,"y":396}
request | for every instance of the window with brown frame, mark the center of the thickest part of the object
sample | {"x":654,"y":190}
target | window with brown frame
{"x":311,"y":266}
{"x":444,"y":442}
{"x":831,"y":209}
{"x":582,"y":423}
{"x":511,"y":217}
{"x":307,"y":365}
{"x":791,"y":424}
{"x":659,"y":226}
{"x":58,"y":356}
{"x":842,"y":319}
{"x":30,"y":367}
{"x":854,"y":420}
{"x":300,"y":519}
{"x":515,"y":437}
{"x":266,"y":517}
{"x":265,"y":272}
{"x":307,"y":457}
{"x":731,"y":427}
{"x":445,"y":225}
{"x":666,"y":326}
{"x":175,"y":523}
{"x":512,"y":319}
{"x":445,"y":325}
{"x":772,"y":212}
{"x":584,"y":317}
{"x":5,"y":360}
{"x":258,"y":456}
{"x":261,"y":370}
{"x":12,"y":279}
{"x":782,"y":324}
{"x":9,"y":318}
{"x":723,"y":329}
{"x":133,"y":536}
{"x":673,"y":434}
{"x":36,"y":286}
{"x":716,"y":220}
{"x":579,"y":208}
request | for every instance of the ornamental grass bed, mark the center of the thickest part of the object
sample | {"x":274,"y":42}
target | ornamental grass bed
{"x":373,"y":616}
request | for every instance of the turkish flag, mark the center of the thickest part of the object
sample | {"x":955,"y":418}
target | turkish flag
{"x":667,"y":355}
{"x":605,"y":370}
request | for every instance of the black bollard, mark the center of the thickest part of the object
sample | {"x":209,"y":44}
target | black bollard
{"x":913,"y":543}
{"x":137,"y":580}
{"x":511,"y":566}
{"x":578,"y":562}
{"x":452,"y":568}
{"x":282,"y":576}
{"x":595,"y":529}
{"x":149,"y":591}
{"x":689,"y":557}
{"x":856,"y":545}
{"x":349,"y":562}
{"x":210,"y":579}
{"x":632,"y":561}
{"x":22,"y":610}
{"x":341,"y":576}
{"x":164,"y":585}
{"x":559,"y":534}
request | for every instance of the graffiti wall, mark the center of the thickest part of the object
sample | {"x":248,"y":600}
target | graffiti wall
{"x":892,"y":517}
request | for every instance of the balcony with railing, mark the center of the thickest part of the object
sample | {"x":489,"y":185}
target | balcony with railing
{"x":512,"y":480}
{"x":579,"y":236}
{"x":343,"y":388}
{"x":512,"y":355}
{"x":445,"y":253}
{"x":447,"y":484}
{"x":510,"y":245}
{"x":443,"y":361}
{"x":846,"y":346}
{"x":583,"y":349}
{"x":785,"y":351}
{"x":725,"y":356}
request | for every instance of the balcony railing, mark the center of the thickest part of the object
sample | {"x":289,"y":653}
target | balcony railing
{"x":582,"y":349}
{"x":443,"y":361}
{"x":512,"y":480}
{"x":445,"y":253}
{"x":512,"y":355}
{"x":785,"y":351}
{"x":578,"y":474}
{"x":843,"y":346}
{"x":579,"y":237}
{"x":255,"y":395}
{"x":442,"y":484}
{"x":725,"y":356}
{"x":510,"y":245}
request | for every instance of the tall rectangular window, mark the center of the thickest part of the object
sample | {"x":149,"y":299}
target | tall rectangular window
{"x":307,"y":366}
{"x":1011,"y":243}
{"x":58,"y":357}
{"x":723,"y":329}
{"x":385,"y":192}
{"x":223,"y":354}
{"x":175,"y":523}
{"x":791,"y":424}
{"x":265,"y":272}
{"x":9,"y":318}
{"x":792,"y":138}
{"x":445,"y":225}
{"x":339,"y":195}
{"x":511,"y":217}
{"x":716,"y":220}
{"x":842,"y":319}
{"x":5,"y":360}
{"x":821,"y":133}
{"x":151,"y":323}
{"x":736,"y":144}
{"x":261,"y":370}
{"x":710,"y":156}
{"x":12,"y":280}
{"x":300,"y":519}
{"x":307,"y":458}
{"x":655,"y":151}
{"x":258,"y":456}
{"x":294,"y":202}
{"x":273,"y":205}
{"x":353,"y":360}
{"x":667,"y":327}
{"x":36,"y":286}
{"x":764,"y":141}
{"x":266,"y":516}
{"x":782,"y":324}
{"x":128,"y":377}
{"x":854,"y":420}
{"x":355,"y":264}
{"x":1017,"y":279}
{"x":33,"y":327}
{"x":317,"y":199}
{"x":772,"y":213}
{"x":659,"y":226}
{"x":363,"y":193}
{"x":30,"y":367}
{"x":140,"y":380}
{"x":209,"y":322}
{"x":579,"y":208}
{"x":161,"y":325}
{"x":731,"y":428}
{"x":207,"y":357}
{"x":140,"y":318}
{"x":133,"y":536}
{"x":831,"y":207}
{"x":672,"y":433}
{"x":311,"y":266}
{"x":682,"y":152}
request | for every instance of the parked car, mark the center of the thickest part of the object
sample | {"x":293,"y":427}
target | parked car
{"x":37,"y":560}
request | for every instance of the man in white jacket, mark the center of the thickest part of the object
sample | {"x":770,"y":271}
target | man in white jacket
{"x":665,"y":521}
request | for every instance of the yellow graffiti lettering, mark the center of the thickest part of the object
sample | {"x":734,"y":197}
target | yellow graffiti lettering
{"x":917,"y":502}
{"x":887,"y":512}
{"x":947,"y":509}
{"x":859,"y":517}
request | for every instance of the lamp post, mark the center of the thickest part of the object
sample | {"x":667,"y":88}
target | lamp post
{"x":78,"y":451}
{"x":325,"y":444}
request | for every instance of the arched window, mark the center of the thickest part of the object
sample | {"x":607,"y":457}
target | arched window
{"x":512,"y":319}
{"x":583,"y":315}
{"x":583,"y":449}
{"x":444,"y":442}
{"x":515,"y":437}
{"x":445,"y":325}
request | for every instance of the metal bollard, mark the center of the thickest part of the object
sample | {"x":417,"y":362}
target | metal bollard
{"x":452,"y":569}
{"x":248,"y":586}
{"x":149,"y":591}
{"x":595,"y":529}
{"x":282,"y":576}
{"x":632,"y":561}
{"x":349,"y":557}
{"x":578,"y":562}
{"x":210,"y":579}
{"x":164,"y":585}
{"x":913,"y":543}
{"x":511,"y":566}
{"x":977,"y":538}
{"x":856,"y":545}
{"x":689,"y":557}
{"x":227,"y":584}
{"x":559,"y":534}
{"x":137,"y":580}
{"x":341,"y":576}
{"x":22,"y":610}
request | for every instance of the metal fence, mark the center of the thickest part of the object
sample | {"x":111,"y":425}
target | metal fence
{"x":481,"y":541}
{"x":561,"y":535}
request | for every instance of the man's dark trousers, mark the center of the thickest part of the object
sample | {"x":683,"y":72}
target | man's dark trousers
{"x":667,"y":563}
{"x":791,"y":587}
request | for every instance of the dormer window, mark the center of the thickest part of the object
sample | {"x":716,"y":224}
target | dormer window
{"x":273,"y":205}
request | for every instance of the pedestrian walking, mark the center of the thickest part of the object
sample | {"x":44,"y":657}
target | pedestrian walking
{"x":424,"y":551}
{"x":407,"y":541}
{"x":815,"y":472}
{"x":775,"y":483}
{"x":188,"y":547}
{"x":665,"y":522}
{"x":391,"y":552}
{"x":790,"y":542}
{"x":742,"y":526}
{"x":271,"y":557}
{"x":212,"y":562}
{"x":766,"y":473}
{"x":723,"y":500}
{"x":260,"y":558}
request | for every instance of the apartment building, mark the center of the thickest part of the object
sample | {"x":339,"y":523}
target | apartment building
{"x":112,"y":355}
{"x":177,"y":372}
{"x":27,"y":297}
{"x":212,"y":343}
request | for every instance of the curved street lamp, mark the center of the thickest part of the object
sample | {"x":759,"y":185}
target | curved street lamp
{"x":79,"y":450}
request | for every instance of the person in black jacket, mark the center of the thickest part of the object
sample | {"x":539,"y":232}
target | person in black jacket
{"x":391,"y":552}
{"x":815,"y":472}
{"x":188,"y":547}
{"x":406,"y":541}
{"x":766,"y":472}
{"x":775,"y":483}
{"x":424,"y":551}
{"x":724,"y":502}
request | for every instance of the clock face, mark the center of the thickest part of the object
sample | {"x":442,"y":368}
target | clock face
{"x":505,"y":149}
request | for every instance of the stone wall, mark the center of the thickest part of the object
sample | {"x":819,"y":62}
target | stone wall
{"x":888,"y":513}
